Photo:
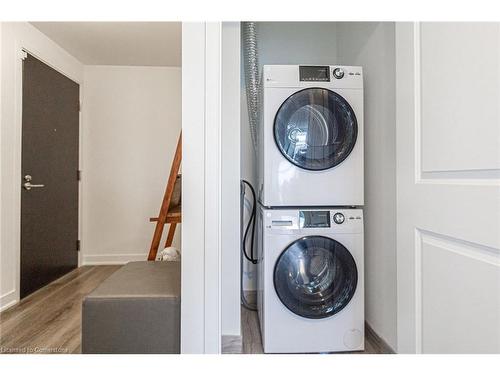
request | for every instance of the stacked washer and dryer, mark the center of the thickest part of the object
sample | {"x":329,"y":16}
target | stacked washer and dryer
{"x":310,"y":293}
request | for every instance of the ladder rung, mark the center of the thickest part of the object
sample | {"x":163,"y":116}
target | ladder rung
{"x":175,"y":218}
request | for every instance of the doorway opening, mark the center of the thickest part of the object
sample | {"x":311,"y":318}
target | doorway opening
{"x":98,"y":109}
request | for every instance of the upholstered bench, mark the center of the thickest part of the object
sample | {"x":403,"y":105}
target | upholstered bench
{"x":135,"y":310}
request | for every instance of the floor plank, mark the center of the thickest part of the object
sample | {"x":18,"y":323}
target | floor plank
{"x":49,"y":320}
{"x":252,"y":342}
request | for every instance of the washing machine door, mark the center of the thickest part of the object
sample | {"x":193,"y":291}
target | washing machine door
{"x":315,"y":129}
{"x":315,"y":277}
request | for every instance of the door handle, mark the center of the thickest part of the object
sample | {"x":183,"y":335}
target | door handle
{"x":28,"y":185}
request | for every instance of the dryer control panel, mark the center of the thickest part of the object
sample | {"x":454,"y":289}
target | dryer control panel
{"x":327,"y":76}
{"x":311,"y":73}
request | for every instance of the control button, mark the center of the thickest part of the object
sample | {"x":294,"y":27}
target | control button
{"x":339,"y":218}
{"x":338,"y":73}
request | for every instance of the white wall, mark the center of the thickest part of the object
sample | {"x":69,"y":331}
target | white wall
{"x":230,"y":181}
{"x":131,"y":123}
{"x":282,"y":43}
{"x":372,"y":45}
{"x":14,"y":37}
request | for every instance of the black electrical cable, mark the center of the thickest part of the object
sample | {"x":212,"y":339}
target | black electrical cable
{"x":251,"y":221}
{"x":250,"y":258}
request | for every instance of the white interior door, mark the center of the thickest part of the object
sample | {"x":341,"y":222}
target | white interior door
{"x":448,"y":176}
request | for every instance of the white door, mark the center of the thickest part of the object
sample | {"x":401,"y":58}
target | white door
{"x":448,"y":176}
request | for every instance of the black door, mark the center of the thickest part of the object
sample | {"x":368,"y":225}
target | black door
{"x":315,"y":129}
{"x":315,"y":277}
{"x":49,"y":209}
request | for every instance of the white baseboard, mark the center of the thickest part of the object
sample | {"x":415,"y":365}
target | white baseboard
{"x":382,"y":346}
{"x":101,"y":259}
{"x":7,"y":300}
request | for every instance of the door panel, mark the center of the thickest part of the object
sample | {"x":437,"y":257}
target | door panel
{"x":459,"y":282}
{"x":49,"y":214}
{"x":448,"y":188}
{"x":460,"y":91}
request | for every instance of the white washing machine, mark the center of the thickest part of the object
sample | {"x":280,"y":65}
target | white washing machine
{"x":310,"y":293}
{"x":311,"y":136}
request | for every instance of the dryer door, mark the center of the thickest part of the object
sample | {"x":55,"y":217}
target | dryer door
{"x":315,"y":129}
{"x":315,"y":277}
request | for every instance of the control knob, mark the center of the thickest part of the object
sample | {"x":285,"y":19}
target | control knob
{"x":338,"y":73}
{"x":338,"y":218}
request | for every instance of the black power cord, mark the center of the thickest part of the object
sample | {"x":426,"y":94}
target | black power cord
{"x":251,"y":221}
{"x":250,"y":258}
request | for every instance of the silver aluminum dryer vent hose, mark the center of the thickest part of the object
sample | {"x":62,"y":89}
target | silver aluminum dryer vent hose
{"x":251,"y":66}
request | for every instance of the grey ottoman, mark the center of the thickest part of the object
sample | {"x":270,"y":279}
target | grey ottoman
{"x":135,"y":310}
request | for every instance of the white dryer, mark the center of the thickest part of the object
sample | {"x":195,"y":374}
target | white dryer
{"x":310,"y":293}
{"x":311,"y":136}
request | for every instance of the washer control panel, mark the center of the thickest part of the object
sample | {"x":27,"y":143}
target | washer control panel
{"x":321,"y":218}
{"x":313,"y":220}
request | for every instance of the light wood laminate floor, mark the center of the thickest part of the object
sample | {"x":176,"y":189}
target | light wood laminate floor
{"x":49,"y":320}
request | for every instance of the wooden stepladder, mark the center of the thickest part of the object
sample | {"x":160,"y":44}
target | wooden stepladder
{"x":170,"y":210}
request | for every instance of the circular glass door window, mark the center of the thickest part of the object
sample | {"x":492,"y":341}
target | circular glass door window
{"x":315,"y":129}
{"x":315,"y":277}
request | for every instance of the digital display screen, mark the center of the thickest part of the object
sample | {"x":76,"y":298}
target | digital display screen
{"x":314,"y":73}
{"x":314,"y":219}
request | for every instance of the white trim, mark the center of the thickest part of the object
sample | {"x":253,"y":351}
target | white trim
{"x":417,"y":84}
{"x":230,"y":181}
{"x":193,"y":187}
{"x":201,"y":127}
{"x":8,"y":299}
{"x":213,"y":124}
{"x":405,"y":108}
{"x":418,"y":291}
{"x":18,"y":109}
{"x":100,"y":259}
{"x":80,"y":182}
